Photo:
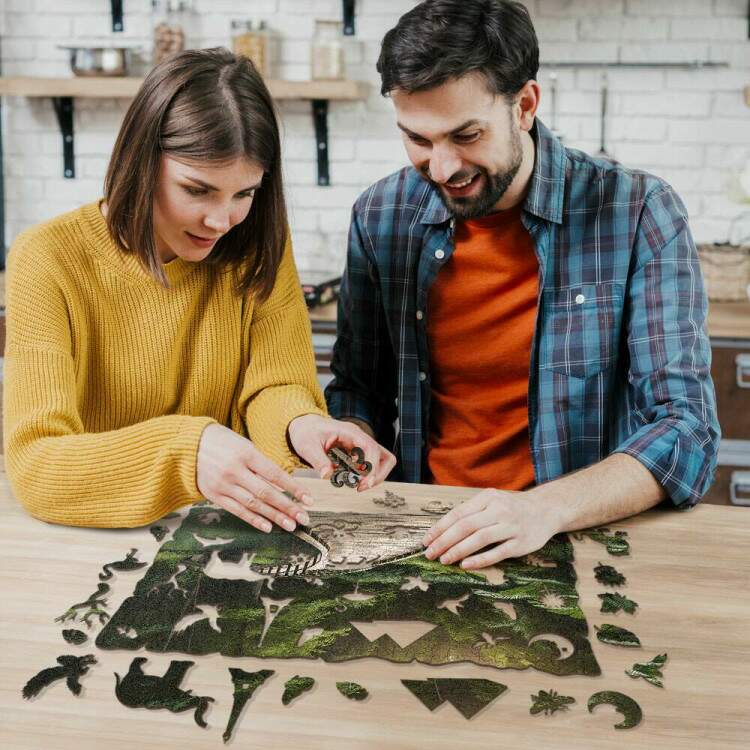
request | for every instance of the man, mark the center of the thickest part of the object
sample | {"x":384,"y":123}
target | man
{"x":532,"y":318}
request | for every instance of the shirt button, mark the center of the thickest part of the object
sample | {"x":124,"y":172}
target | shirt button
{"x":423,"y":376}
{"x":580,"y":299}
{"x":439,"y":254}
{"x":420,"y":315}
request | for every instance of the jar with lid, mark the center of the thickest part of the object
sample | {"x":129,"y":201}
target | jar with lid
{"x":251,"y":39}
{"x":327,"y":51}
{"x":171,"y":21}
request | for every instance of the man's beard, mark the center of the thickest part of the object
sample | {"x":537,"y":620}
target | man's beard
{"x":495,"y":187}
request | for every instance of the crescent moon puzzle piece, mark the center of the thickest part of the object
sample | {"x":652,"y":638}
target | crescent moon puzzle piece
{"x":629,"y":709}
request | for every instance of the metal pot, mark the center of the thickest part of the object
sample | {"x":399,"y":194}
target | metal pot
{"x":99,"y":61}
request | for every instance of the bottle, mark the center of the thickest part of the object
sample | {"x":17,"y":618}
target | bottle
{"x":251,"y":40}
{"x":327,"y":53}
{"x":170,"y":20}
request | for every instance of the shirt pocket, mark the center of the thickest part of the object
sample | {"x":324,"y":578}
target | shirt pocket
{"x":580,"y":328}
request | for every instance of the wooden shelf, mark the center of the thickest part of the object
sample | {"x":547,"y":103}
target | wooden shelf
{"x":63,"y":91}
{"x":109,"y":87}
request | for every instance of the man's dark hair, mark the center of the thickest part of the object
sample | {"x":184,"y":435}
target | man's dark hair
{"x":440,"y":40}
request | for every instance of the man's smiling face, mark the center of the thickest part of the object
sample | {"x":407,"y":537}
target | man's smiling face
{"x":464,"y":139}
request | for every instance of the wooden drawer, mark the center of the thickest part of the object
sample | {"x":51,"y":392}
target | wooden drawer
{"x":720,"y":492}
{"x":733,"y":400}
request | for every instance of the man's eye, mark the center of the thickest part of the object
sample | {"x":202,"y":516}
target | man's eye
{"x":467,"y":137}
{"x":194,"y":190}
{"x":419,"y":141}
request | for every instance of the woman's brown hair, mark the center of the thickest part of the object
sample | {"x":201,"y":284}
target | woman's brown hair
{"x":205,"y":106}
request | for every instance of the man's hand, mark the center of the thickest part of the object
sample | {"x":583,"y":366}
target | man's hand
{"x":312,"y":436}
{"x":509,"y":524}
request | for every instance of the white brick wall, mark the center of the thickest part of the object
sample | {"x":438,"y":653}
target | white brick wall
{"x":691,"y":127}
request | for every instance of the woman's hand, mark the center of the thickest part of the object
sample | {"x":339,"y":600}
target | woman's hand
{"x":312,"y":436}
{"x":235,"y":475}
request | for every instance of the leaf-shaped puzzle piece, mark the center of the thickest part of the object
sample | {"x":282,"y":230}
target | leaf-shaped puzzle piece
{"x":76,"y":637}
{"x":294,"y":687}
{"x":615,"y":636}
{"x":614,"y":602}
{"x":469,"y":696}
{"x":549,"y":702}
{"x":609,"y":576}
{"x":616,"y":543}
{"x":245,"y":684}
{"x":629,"y":709}
{"x":650,"y":670}
{"x":352,"y":690}
{"x":159,"y":532}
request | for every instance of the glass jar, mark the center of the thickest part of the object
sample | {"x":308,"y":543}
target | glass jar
{"x":327,"y":52}
{"x":171,"y":24}
{"x":251,"y":40}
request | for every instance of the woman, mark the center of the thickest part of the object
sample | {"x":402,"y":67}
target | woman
{"x":152,"y":333}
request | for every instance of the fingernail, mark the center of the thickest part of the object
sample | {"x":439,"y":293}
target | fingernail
{"x":303,"y":518}
{"x":307,"y":500}
{"x":430,"y":553}
{"x":266,"y":527}
{"x":446,"y":559}
{"x":288,"y":524}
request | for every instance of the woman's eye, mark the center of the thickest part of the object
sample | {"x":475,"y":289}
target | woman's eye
{"x":194,"y":190}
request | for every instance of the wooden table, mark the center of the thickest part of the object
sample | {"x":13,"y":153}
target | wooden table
{"x":689,"y":572}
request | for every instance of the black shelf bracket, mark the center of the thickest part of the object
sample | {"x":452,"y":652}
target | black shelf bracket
{"x":320,"y":118}
{"x":64,"y":111}
{"x":348,"y":17}
{"x":117,"y":24}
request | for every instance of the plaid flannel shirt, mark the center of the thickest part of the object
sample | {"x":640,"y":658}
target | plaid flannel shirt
{"x":620,"y":360}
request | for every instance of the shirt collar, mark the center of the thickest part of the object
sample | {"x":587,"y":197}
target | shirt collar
{"x":546,"y":187}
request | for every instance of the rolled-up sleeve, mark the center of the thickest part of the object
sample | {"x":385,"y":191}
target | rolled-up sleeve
{"x":669,"y":380}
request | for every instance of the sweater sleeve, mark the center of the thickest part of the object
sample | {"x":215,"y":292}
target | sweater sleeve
{"x":280,"y":382}
{"x":61,"y":473}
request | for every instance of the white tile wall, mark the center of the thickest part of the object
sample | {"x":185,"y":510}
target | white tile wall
{"x":691,"y":127}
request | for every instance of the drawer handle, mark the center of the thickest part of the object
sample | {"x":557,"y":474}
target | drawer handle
{"x":743,"y":370}
{"x":740,"y":482}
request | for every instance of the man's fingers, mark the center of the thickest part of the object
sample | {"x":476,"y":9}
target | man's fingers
{"x":274,"y":474}
{"x":496,"y":554}
{"x":462,"y":528}
{"x":480,"y":539}
{"x":472,"y":505}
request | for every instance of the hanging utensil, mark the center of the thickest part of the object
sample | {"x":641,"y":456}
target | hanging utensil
{"x":603,"y":123}
{"x":553,"y":104}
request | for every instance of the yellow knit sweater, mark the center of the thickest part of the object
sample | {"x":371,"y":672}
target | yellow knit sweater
{"x":110,"y":378}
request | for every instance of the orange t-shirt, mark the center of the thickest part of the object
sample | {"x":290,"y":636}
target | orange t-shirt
{"x":480,"y":324}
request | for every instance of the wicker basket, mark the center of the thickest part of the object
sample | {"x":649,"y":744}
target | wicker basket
{"x":726,"y":271}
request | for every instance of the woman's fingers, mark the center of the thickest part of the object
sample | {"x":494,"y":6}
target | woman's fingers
{"x":239,"y":510}
{"x":275,"y":475}
{"x":252,"y":502}
{"x":269,"y":501}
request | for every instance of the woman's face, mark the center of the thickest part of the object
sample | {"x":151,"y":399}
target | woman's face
{"x":195,"y":203}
